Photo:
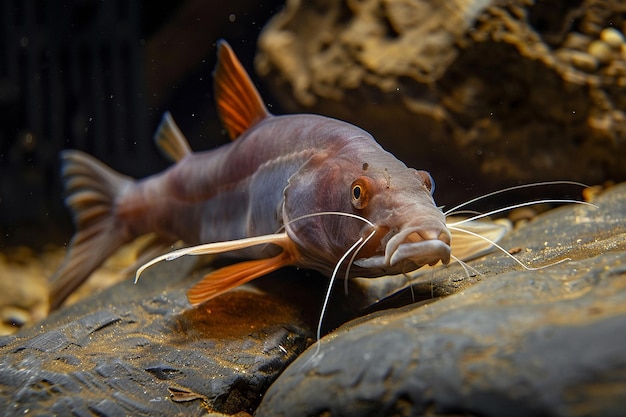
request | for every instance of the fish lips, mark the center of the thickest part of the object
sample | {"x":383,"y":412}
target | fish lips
{"x":410,"y":247}
{"x":426,"y":252}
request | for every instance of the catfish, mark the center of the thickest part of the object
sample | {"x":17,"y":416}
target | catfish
{"x":302,"y":190}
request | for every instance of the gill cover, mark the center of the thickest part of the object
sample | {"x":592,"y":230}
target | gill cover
{"x":322,"y":186}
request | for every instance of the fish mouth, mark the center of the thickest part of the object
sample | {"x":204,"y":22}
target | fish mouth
{"x":418,"y":246}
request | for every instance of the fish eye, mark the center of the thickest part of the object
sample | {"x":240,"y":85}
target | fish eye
{"x":427,"y":180}
{"x":360,"y":194}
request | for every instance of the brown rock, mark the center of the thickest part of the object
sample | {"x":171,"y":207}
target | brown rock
{"x":480,"y":93}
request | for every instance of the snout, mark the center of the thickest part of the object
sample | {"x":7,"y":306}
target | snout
{"x":410,"y":249}
{"x":420,"y":245}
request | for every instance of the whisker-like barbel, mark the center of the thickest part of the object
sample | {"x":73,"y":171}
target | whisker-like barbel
{"x":515,"y":187}
{"x":494,"y":244}
{"x":333,"y":277}
{"x":326,"y":213}
{"x":514,"y":206}
{"x":466,"y":267}
{"x":212,"y":249}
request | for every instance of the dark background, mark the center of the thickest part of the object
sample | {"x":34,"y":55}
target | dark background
{"x":97,"y":75}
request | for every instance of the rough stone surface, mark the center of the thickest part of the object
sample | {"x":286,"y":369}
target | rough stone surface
{"x":142,"y":350}
{"x":492,"y":341}
{"x":480,"y":93}
{"x":506,"y":342}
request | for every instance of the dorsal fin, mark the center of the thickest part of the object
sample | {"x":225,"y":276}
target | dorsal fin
{"x":238,"y":102}
{"x":170,"y":140}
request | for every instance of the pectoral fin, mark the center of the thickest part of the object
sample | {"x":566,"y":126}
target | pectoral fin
{"x":471,"y":239}
{"x":229,"y":277}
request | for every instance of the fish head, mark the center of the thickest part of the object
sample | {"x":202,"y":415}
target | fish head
{"x":410,"y":230}
{"x":366,"y":199}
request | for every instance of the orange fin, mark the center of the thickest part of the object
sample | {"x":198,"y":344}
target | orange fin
{"x":238,"y":102}
{"x":278,"y":239}
{"x":229,"y":277}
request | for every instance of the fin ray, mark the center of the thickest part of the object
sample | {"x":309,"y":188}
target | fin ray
{"x":91,"y":189}
{"x":224,"y":279}
{"x":153,"y":246}
{"x":229,"y":277}
{"x":467,"y":246}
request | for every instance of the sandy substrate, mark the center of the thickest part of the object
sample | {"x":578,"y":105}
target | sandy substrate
{"x":24,"y":275}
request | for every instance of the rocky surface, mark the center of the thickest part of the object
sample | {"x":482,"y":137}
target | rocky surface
{"x":492,"y":341}
{"x":141,"y":350}
{"x":506,"y":342}
{"x":479,"y":93}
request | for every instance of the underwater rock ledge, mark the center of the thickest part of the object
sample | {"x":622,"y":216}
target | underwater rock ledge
{"x":516,"y":343}
{"x":504,"y":341}
{"x":141,"y":350}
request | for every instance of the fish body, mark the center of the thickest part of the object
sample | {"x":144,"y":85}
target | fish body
{"x":278,"y":178}
{"x":236,"y":190}
{"x":257,"y":184}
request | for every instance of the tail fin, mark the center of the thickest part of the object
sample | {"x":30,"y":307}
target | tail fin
{"x":91,"y":188}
